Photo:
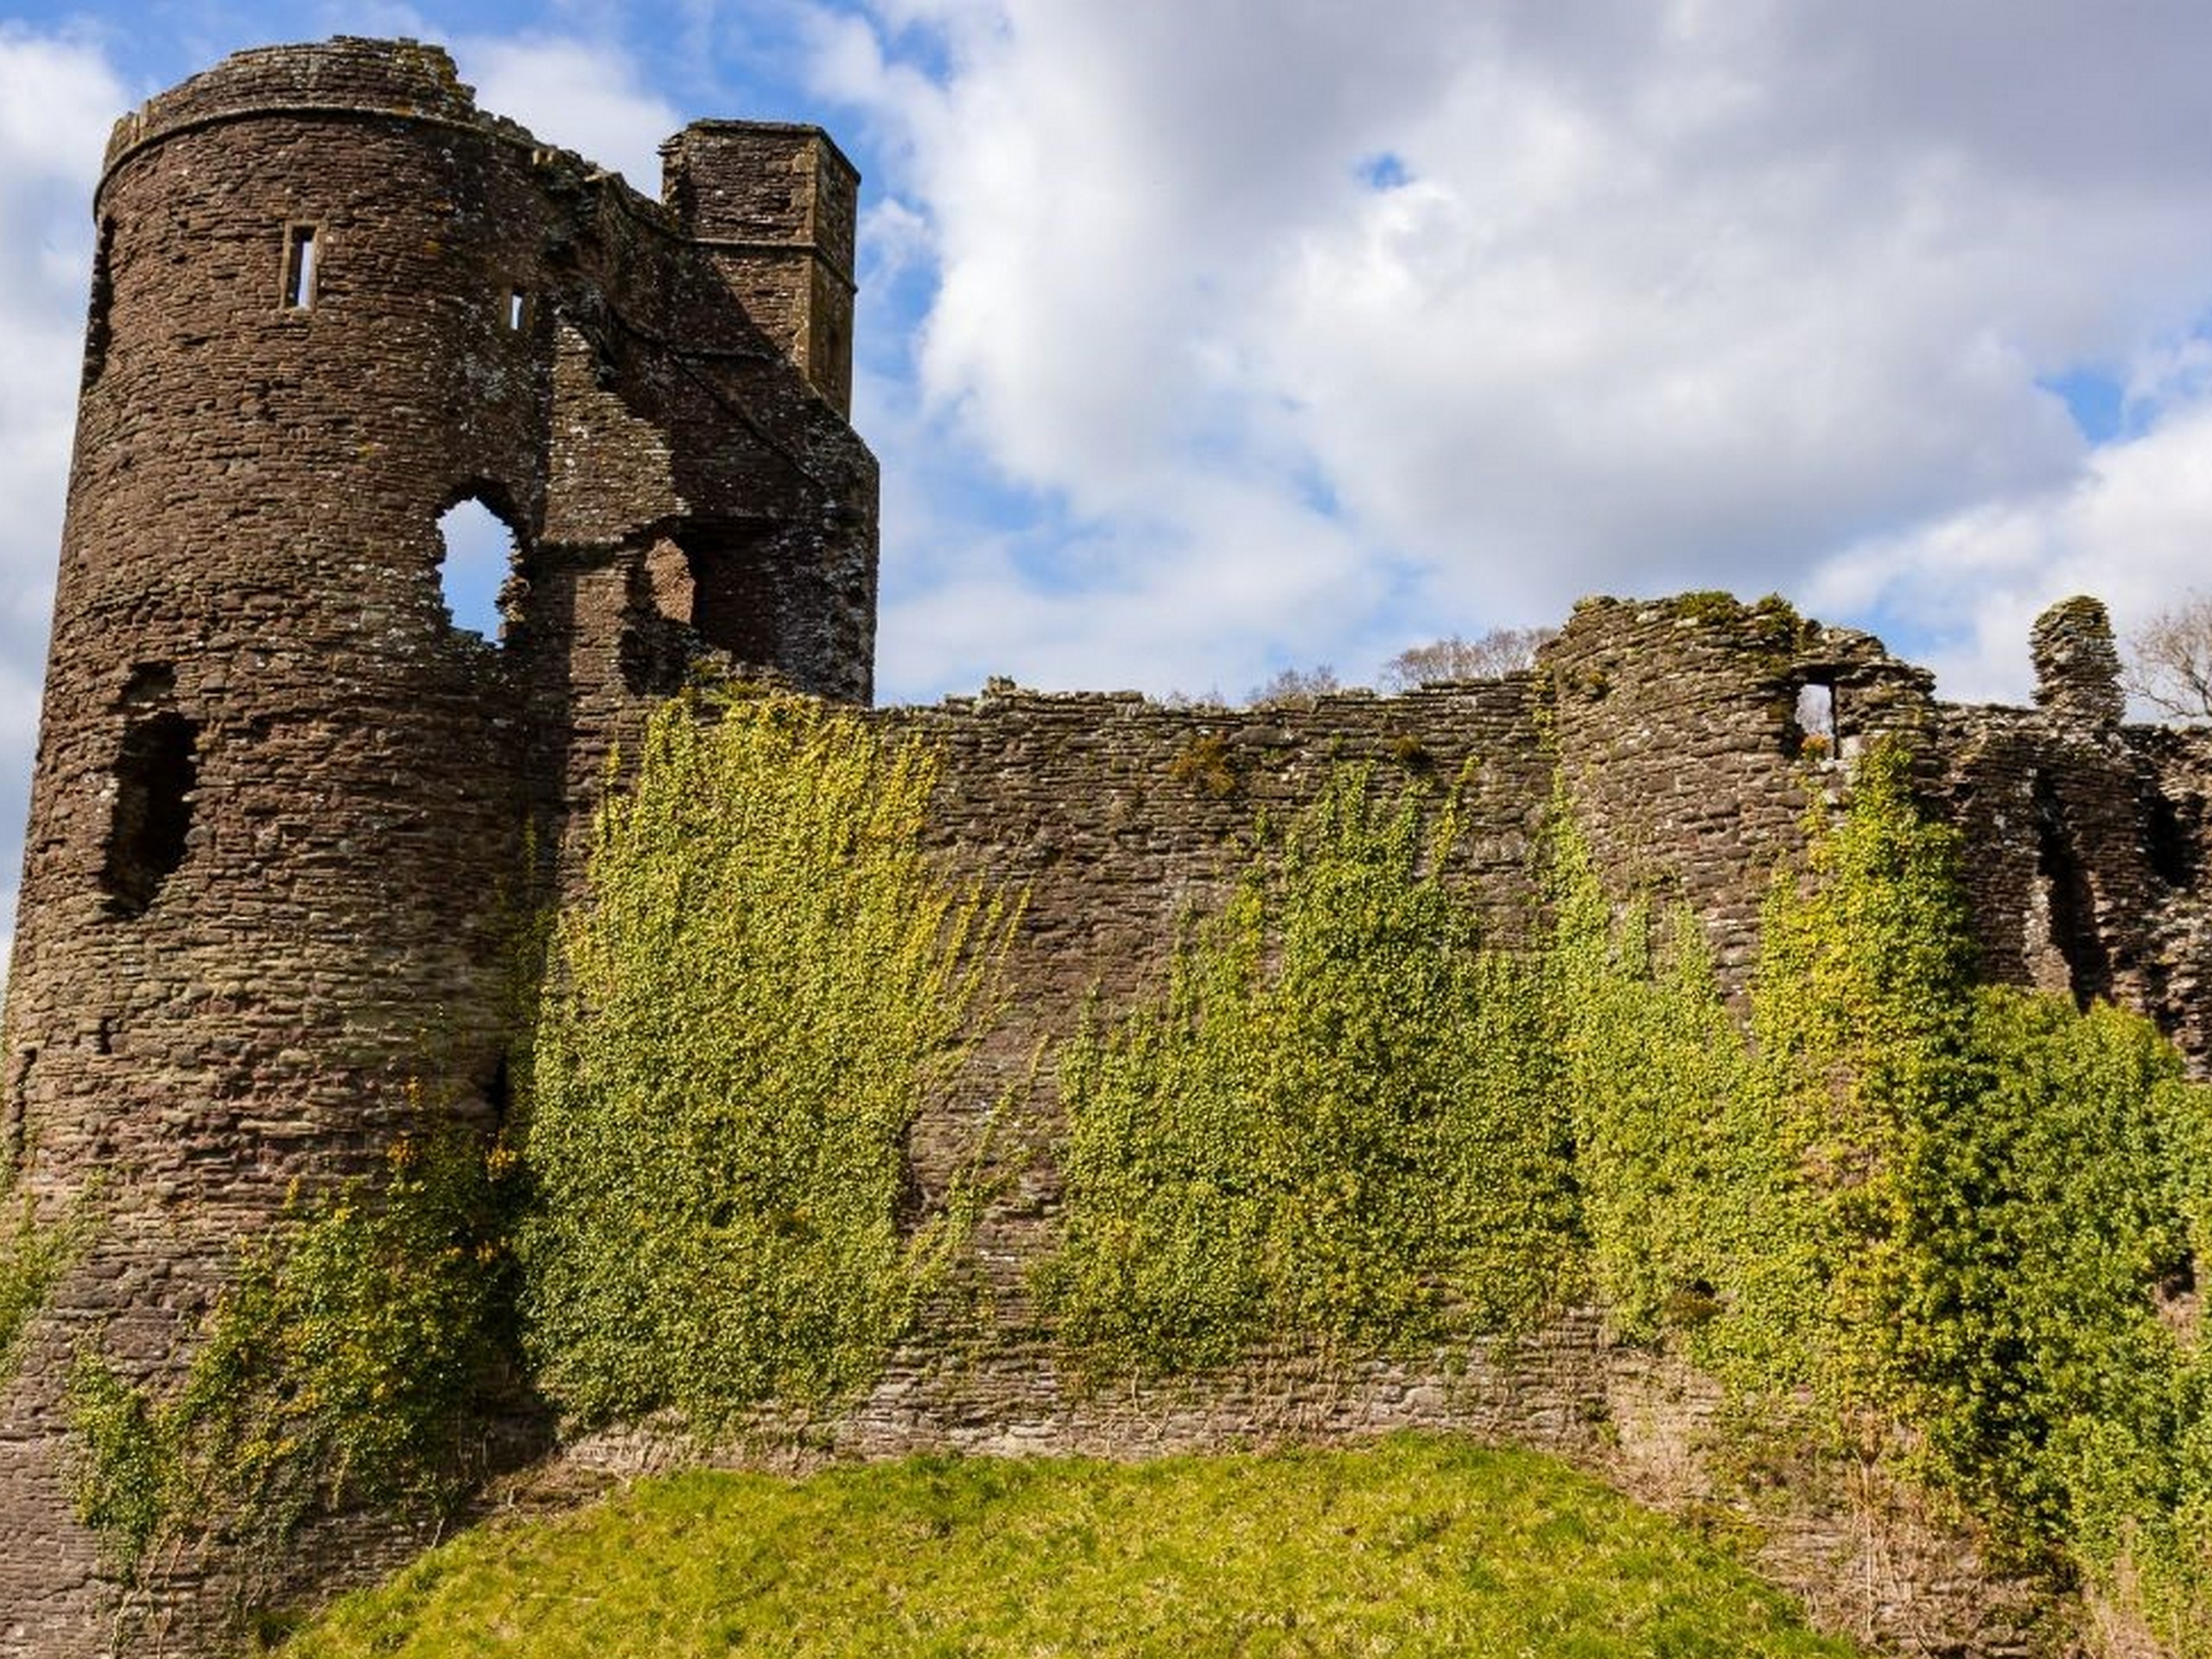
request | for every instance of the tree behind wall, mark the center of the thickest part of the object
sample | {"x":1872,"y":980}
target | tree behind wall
{"x":1487,"y":656}
{"x":2169,"y":660}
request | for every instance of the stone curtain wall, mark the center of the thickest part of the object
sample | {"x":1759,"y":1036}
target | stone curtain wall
{"x":1681,"y":730}
{"x":278,"y":823}
{"x":1676,"y":726}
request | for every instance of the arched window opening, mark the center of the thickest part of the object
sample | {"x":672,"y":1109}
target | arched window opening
{"x":1815,"y":720}
{"x":154,"y":774}
{"x":149,"y":684}
{"x":481,"y":551}
{"x":668,"y":576}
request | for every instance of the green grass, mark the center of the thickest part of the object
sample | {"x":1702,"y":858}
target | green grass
{"x":1412,"y":1545}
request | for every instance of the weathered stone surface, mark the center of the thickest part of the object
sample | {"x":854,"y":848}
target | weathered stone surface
{"x":279,"y":795}
{"x":281,"y":802}
{"x":2077,"y":663}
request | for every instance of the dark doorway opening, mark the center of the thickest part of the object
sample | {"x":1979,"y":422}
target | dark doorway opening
{"x":2072,"y":903}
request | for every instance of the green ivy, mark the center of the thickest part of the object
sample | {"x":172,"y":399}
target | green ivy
{"x":33,"y":1254}
{"x":1903,"y":1196}
{"x":2006,"y":1182}
{"x":1693,"y":1193}
{"x":343,"y":1364}
{"x":123,"y":1477}
{"x":2044,"y":1209}
{"x":1332,"y":1127}
{"x":769,"y":980}
{"x":1862,"y":1008}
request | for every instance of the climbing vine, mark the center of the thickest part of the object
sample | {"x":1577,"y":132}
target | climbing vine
{"x":33,"y":1254}
{"x":1968,"y":1211}
{"x":1333,"y":1126}
{"x":346,"y":1362}
{"x":768,"y":981}
{"x":1884,"y":1198}
{"x":1693,"y":1195}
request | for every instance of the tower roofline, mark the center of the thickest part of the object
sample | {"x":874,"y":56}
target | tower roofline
{"x":784,"y":129}
{"x":345,"y":77}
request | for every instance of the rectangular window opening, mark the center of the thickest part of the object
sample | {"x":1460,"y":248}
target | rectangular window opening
{"x":517,"y":307}
{"x":155,"y":773}
{"x":299,"y":267}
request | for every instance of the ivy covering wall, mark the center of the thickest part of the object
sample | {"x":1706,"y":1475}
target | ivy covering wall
{"x":1887,"y":1204}
{"x":1971,"y":1211}
{"x":33,"y":1255}
{"x":346,"y":1363}
{"x":1336,"y":1126}
{"x":767,"y":983}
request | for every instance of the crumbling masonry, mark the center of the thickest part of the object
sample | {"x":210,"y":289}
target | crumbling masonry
{"x":280,"y":796}
{"x":283,"y":802}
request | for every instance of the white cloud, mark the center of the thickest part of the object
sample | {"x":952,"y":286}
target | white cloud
{"x":1648,"y":297}
{"x":1204,"y":335}
{"x":585,"y":96}
{"x":2133,"y":527}
{"x":57,"y":97}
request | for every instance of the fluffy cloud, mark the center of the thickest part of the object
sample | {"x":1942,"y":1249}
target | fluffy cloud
{"x":57,"y":98}
{"x":583,"y":96}
{"x":2130,"y":527}
{"x":1324,"y":336}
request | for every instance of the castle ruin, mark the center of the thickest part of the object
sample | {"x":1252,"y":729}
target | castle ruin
{"x":280,"y":797}
{"x":283,"y":802}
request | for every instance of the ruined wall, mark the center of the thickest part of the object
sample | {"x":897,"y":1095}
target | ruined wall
{"x":1691,"y":756}
{"x":278,"y":793}
{"x":1690,"y":753}
{"x":1691,"y":736}
{"x":2085,"y":839}
{"x":280,"y":796}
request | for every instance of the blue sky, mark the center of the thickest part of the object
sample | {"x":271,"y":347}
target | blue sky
{"x":1201,"y":338}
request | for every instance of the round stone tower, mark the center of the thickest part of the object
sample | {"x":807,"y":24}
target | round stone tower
{"x":280,"y":796}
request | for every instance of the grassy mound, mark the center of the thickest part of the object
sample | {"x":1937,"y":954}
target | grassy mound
{"x":1413,"y":1546}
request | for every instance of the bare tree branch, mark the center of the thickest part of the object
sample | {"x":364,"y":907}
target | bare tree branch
{"x":1484,"y":658}
{"x":2169,"y":660}
{"x":1295,"y":688}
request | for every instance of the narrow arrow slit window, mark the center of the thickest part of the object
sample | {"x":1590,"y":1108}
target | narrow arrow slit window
{"x":299,"y":267}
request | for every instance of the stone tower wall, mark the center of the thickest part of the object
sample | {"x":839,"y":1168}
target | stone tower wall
{"x":776,"y":206}
{"x":279,"y":794}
